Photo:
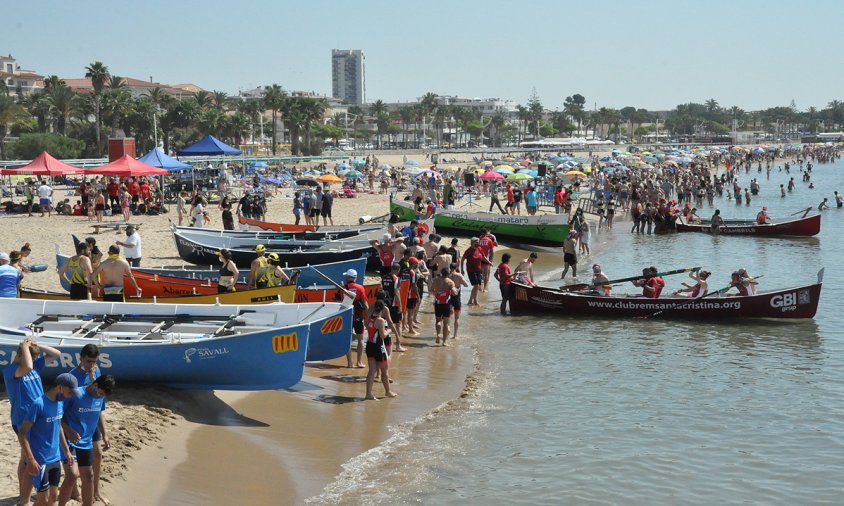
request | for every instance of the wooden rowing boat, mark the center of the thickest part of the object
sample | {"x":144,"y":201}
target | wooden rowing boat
{"x":798,"y":302}
{"x":800,"y":227}
{"x":229,"y":347}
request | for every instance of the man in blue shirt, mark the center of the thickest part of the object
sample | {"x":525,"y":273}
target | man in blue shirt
{"x":531,"y":200}
{"x":23,"y":387}
{"x":85,"y":373}
{"x":82,"y":419}
{"x":10,"y":278}
{"x":43,"y":442}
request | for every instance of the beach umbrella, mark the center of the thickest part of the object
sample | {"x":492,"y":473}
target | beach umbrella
{"x":525,"y":163}
{"x":44,"y":165}
{"x":606,"y":159}
{"x":358,"y":162}
{"x":575,"y":173}
{"x":492,"y":176}
{"x":531,"y":173}
{"x":307,"y":181}
{"x":354,"y":174}
{"x":412,"y":171}
{"x":385,"y":166}
{"x":259,"y":164}
{"x":521,"y":176}
{"x":411,"y":162}
{"x":343,"y":166}
{"x":329,"y":178}
{"x":650,"y":159}
{"x":540,"y":162}
{"x":486,"y":163}
{"x":507,"y":167}
{"x":314,"y":172}
{"x":684,"y":160}
{"x":503,"y":170}
{"x":758,"y":150}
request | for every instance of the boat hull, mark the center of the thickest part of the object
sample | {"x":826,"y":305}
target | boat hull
{"x":804,"y":227}
{"x":800,"y":302}
{"x":540,"y":230}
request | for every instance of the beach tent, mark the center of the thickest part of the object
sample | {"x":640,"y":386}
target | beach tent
{"x":209,"y":145}
{"x":126,"y":166}
{"x":158,"y":158}
{"x":43,"y":165}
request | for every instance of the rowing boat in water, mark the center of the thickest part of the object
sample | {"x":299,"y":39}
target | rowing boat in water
{"x":228,"y":347}
{"x":798,"y":302}
{"x":538,"y":230}
{"x":800,"y":227}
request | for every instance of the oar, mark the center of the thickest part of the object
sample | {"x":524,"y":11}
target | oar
{"x":350,"y":294}
{"x":695,"y":299}
{"x":801,"y":211}
{"x":581,"y":286}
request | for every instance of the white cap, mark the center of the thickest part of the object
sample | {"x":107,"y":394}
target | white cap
{"x":351,"y":273}
{"x":386,"y":238}
{"x":5,"y":256}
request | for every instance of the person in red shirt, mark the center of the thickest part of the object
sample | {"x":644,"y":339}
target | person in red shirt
{"x":650,"y":283}
{"x":559,"y":200}
{"x":146,"y":194}
{"x":113,"y":193}
{"x":511,"y":199}
{"x":504,"y":277}
{"x":358,"y":292}
{"x":134,"y":190}
{"x":472,"y":263}
{"x":487,"y":243}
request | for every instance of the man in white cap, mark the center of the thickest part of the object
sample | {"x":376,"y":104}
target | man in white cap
{"x":600,"y":281}
{"x":42,"y":439}
{"x":360,"y":305}
{"x":10,"y":278}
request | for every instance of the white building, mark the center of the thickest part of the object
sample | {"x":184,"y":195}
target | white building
{"x":18,"y":80}
{"x":348,"y":79}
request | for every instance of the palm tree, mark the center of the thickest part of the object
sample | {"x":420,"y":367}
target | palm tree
{"x":39,"y":108}
{"x":211,"y":121}
{"x":219,"y":99}
{"x":313,"y":110}
{"x":711,"y":105}
{"x":119,"y":104}
{"x":274,"y":100}
{"x":203,"y":99}
{"x":53,"y":82}
{"x":62,"y":101}
{"x":11,"y":113}
{"x":378,"y":110}
{"x":236,"y":127}
{"x":524,"y":116}
{"x":116,"y":82}
{"x":98,"y":73}
{"x":294,"y":120}
{"x":428,"y":105}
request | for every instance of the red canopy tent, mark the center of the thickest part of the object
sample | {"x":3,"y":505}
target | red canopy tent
{"x":43,"y":165}
{"x":126,"y":166}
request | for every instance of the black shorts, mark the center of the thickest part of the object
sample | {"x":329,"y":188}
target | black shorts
{"x":442,"y":310}
{"x":98,"y":436}
{"x":476,"y":278}
{"x":136,"y":198}
{"x":78,"y":291}
{"x":113,"y":297}
{"x":50,"y":475}
{"x":313,"y":213}
{"x":395,"y":314}
{"x":326,"y":212}
{"x":375,"y":351}
{"x":411,"y":303}
{"x":570,"y":258}
{"x":99,"y":207}
{"x":456,"y":303}
{"x":83,"y":457}
{"x":357,"y":325}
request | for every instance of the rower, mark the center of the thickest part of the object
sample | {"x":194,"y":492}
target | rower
{"x":258,"y":269}
{"x":697,"y":290}
{"x":650,"y":283}
{"x":748,"y":282}
{"x":717,"y":221}
{"x":762,"y":216}
{"x":600,"y":281}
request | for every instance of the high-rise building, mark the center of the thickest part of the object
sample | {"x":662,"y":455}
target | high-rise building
{"x":348,"y":81}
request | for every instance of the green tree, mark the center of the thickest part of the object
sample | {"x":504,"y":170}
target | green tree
{"x":203,"y":99}
{"x":11,"y":113}
{"x":31,"y":145}
{"x":98,"y":73}
{"x":219,"y":100}
{"x":575,"y":107}
{"x":275,"y":99}
{"x":63,"y":105}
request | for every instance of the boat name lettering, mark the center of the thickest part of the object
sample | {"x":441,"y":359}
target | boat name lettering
{"x":653,"y":306}
{"x":790,"y":301}
{"x":512,"y":221}
{"x":166,"y":290}
{"x":264,"y":298}
{"x":204,"y":353}
{"x":66,"y":360}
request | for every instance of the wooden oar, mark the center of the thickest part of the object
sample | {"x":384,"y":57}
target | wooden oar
{"x":695,"y":299}
{"x":348,"y":293}
{"x":581,"y":286}
{"x":801,"y":211}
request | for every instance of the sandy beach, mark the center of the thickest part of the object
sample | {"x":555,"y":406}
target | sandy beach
{"x":190,"y":447}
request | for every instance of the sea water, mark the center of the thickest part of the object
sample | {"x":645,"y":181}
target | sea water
{"x":573,"y":410}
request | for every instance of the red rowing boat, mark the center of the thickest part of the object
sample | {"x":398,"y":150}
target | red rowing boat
{"x":277,"y":227}
{"x":799,"y":302}
{"x":802,"y":227}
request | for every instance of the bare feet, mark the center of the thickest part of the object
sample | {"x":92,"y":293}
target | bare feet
{"x":359,"y":366}
{"x":438,"y":340}
{"x":391,"y":394}
{"x":370,"y":398}
{"x":102,"y":499}
{"x":412,"y":333}
{"x":445,"y":343}
{"x":401,"y":348}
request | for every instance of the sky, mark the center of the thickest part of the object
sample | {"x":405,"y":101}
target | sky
{"x":651,"y":54}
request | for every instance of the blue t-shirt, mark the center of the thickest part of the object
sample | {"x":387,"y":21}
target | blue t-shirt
{"x":9,"y":280}
{"x":530,"y":198}
{"x":24,"y":390}
{"x":82,"y":413}
{"x":82,"y":377}
{"x":46,"y":418}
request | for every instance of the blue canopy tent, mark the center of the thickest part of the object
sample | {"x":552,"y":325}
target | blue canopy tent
{"x":158,"y":158}
{"x":209,"y":145}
